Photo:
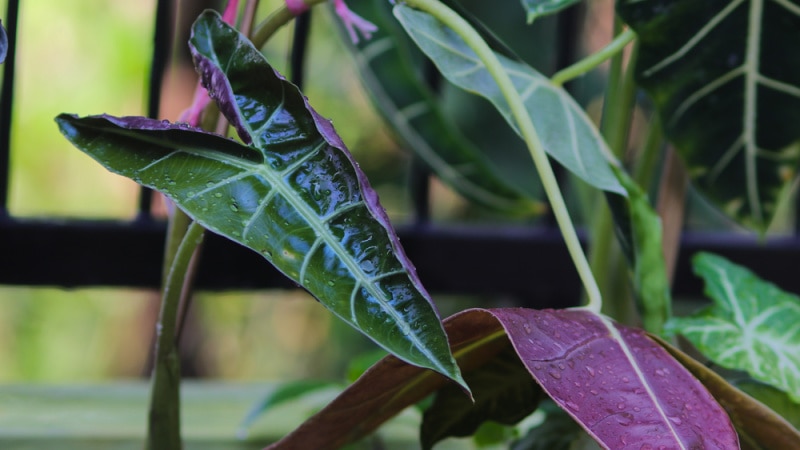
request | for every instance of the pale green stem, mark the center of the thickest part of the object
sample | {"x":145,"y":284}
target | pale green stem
{"x":164,"y":431}
{"x":452,"y":20}
{"x":589,"y":63}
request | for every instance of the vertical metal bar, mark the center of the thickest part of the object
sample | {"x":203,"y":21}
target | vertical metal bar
{"x":6,"y":103}
{"x":302,"y":28}
{"x":162,"y":42}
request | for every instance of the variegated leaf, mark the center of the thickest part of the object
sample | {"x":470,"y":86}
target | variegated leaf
{"x":752,"y":325}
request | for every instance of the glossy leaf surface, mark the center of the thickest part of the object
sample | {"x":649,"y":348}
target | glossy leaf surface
{"x":539,"y":8}
{"x":294,"y":195}
{"x":389,"y":65}
{"x":725,"y":77}
{"x":751,"y":326}
{"x":566,"y":132}
{"x":756,"y":423}
{"x":621,"y":386}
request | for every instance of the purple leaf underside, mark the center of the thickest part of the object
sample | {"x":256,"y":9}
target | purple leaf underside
{"x":617,"y":383}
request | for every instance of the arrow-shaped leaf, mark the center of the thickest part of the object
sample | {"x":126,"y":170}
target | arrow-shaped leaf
{"x":294,"y":195}
{"x":724,"y":77}
{"x":752,"y":325}
{"x":389,"y":66}
{"x":621,"y":386}
{"x":566,"y":132}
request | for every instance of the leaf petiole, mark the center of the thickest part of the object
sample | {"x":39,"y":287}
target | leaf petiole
{"x":589,"y":63}
{"x":452,"y":20}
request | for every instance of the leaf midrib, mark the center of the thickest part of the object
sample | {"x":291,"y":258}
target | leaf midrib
{"x":321,"y":231}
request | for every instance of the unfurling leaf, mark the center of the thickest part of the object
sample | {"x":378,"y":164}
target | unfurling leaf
{"x":618,"y":384}
{"x":293,"y":194}
{"x":718,"y":73}
{"x":752,"y":326}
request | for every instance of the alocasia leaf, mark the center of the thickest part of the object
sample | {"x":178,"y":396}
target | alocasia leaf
{"x":567,"y":134}
{"x":293,"y":194}
{"x":725,"y":77}
{"x":621,"y":386}
{"x":751,"y":326}
{"x":389,"y":67}
{"x":539,"y":8}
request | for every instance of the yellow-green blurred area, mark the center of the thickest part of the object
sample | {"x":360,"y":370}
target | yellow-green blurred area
{"x":91,"y":57}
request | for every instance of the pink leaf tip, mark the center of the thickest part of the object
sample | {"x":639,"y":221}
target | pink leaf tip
{"x":354,"y":23}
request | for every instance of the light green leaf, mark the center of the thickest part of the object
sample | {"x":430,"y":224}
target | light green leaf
{"x":564,"y":129}
{"x":752,"y":326}
{"x":726,"y":80}
{"x":539,"y":8}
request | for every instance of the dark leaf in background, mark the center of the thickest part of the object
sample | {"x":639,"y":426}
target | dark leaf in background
{"x":725,"y":76}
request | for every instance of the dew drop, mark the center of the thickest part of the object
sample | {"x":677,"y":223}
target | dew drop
{"x":218,"y":194}
{"x":626,"y":379}
{"x":555,"y":375}
{"x":210,"y":184}
{"x":190,"y":194}
{"x":526,"y":327}
{"x":660,"y":372}
{"x":267,"y":253}
{"x":331,"y":283}
{"x":625,"y":419}
{"x":593,"y":392}
{"x":620,"y":405}
{"x":572,"y":406}
{"x":234,"y":207}
{"x":676,"y":420}
{"x":590,"y":370}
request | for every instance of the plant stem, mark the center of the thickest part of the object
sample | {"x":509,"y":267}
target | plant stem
{"x":451,"y":19}
{"x":607,"y":261}
{"x":595,"y":59}
{"x":164,"y":419}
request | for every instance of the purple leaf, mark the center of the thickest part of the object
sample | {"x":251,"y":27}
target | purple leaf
{"x":617,"y":383}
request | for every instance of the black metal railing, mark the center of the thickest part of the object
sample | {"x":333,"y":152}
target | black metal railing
{"x":530,"y":264}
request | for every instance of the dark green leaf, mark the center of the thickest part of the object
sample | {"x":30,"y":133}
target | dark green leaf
{"x":752,"y":325}
{"x":295,"y":195}
{"x":389,"y":65}
{"x":504,"y":393}
{"x":558,"y":431}
{"x":726,"y":79}
{"x":539,"y":8}
{"x":567,"y":134}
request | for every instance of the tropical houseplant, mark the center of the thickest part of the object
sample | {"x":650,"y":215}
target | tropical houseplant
{"x":288,"y":188}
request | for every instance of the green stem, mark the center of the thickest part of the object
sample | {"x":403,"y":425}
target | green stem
{"x":607,"y":261}
{"x":595,"y":59}
{"x":452,"y":20}
{"x":164,"y":431}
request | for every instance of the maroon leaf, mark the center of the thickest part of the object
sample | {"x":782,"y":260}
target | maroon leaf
{"x":621,"y":386}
